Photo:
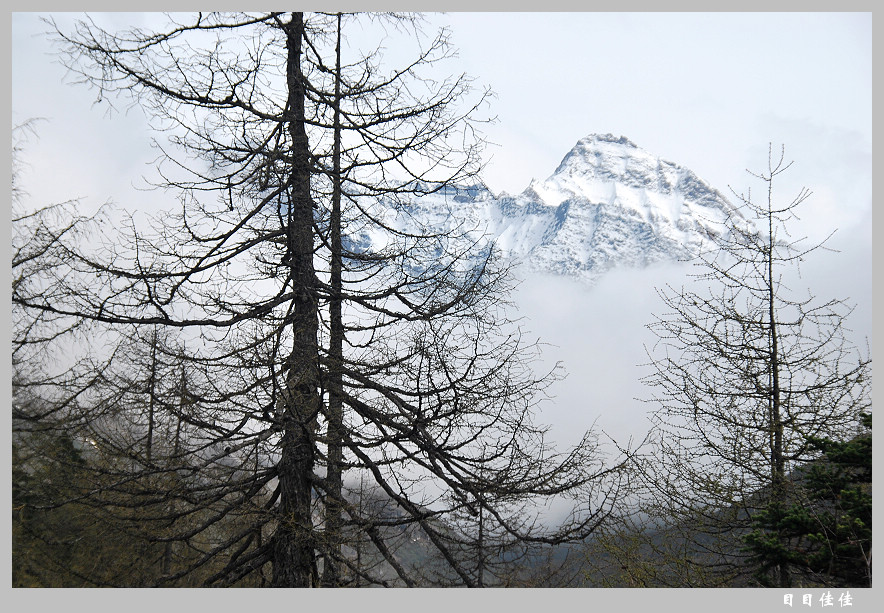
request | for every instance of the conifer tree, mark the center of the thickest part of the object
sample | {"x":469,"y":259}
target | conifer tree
{"x":748,"y":375}
{"x":298,"y":353}
{"x":824,"y":533}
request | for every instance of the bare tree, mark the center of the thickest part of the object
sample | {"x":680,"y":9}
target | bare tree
{"x":61,"y":535}
{"x":323,"y":334}
{"x":746,"y":373}
{"x":38,"y":336}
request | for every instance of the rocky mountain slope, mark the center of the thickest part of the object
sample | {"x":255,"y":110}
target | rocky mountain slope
{"x":608,"y":204}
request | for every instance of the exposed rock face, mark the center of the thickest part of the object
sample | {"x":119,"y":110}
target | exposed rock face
{"x":608,"y":204}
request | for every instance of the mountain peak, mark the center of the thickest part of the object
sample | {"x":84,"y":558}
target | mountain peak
{"x":609,"y":204}
{"x":606,"y":138}
{"x":608,"y":158}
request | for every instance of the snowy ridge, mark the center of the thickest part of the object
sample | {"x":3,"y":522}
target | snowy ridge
{"x":608,"y":204}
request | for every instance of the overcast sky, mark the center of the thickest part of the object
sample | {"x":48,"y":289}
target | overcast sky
{"x":706,"y":91}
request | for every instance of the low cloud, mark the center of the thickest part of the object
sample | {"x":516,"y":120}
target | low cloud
{"x":599,"y":333}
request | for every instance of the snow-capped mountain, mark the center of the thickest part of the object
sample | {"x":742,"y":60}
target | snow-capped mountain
{"x":608,"y":204}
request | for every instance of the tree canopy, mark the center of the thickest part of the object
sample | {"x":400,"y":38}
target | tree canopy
{"x":284,"y":348}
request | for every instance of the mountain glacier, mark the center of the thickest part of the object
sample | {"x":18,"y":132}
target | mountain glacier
{"x":608,"y":204}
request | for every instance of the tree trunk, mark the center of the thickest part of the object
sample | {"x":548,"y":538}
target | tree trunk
{"x":293,"y":547}
{"x":151,"y":397}
{"x":330,"y":575}
{"x":778,"y":464}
